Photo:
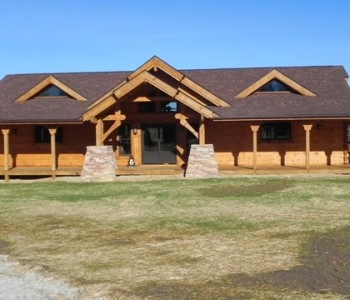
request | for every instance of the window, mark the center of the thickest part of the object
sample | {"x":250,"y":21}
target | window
{"x":275,"y":131}
{"x":168,"y":106}
{"x":124,"y":139}
{"x":348,"y":133}
{"x":52,"y":91}
{"x":276,"y":86}
{"x":158,"y":107}
{"x":42,"y":135}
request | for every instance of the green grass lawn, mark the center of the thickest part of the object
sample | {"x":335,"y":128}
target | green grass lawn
{"x":180,"y":239}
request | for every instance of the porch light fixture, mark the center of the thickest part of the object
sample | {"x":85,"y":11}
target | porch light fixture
{"x":319,"y":127}
{"x":134,"y":131}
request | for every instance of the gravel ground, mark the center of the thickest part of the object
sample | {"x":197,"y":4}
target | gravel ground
{"x":18,"y":285}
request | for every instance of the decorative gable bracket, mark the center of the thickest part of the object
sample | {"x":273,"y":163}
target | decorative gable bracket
{"x":275,"y":75}
{"x":50,"y":80}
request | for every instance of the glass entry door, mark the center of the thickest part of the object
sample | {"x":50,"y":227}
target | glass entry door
{"x":159,"y":144}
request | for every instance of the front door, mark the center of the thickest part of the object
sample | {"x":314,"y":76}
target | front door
{"x":159,"y":144}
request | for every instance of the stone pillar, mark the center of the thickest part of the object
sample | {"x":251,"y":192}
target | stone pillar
{"x":99,"y":164}
{"x":202,"y":162}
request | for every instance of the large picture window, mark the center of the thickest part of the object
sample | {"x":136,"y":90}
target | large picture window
{"x":42,"y":135}
{"x":124,"y":139}
{"x":275,"y":131}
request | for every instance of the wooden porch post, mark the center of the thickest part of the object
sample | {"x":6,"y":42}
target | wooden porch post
{"x":99,"y":132}
{"x":255,"y":129}
{"x":202,"y":131}
{"x":6,"y":133}
{"x":307,"y":129}
{"x":53,"y":132}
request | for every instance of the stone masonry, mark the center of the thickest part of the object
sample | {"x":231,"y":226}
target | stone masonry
{"x":99,"y":164}
{"x":202,"y":162}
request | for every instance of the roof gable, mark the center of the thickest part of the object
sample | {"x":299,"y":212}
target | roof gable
{"x":156,"y":63}
{"x":275,"y":76}
{"x":46,"y":84}
{"x":165,"y":78}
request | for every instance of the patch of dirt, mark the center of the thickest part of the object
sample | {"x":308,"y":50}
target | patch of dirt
{"x":324,"y":269}
{"x":4,"y":247}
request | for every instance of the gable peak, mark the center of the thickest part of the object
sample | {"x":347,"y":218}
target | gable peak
{"x":50,"y":87}
{"x":275,"y":81}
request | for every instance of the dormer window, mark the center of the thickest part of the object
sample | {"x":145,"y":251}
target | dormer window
{"x":276,"y":86}
{"x":50,"y":87}
{"x":274,"y":82}
{"x":52,"y":91}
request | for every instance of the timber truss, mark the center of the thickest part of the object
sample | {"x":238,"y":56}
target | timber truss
{"x":164,"y":78}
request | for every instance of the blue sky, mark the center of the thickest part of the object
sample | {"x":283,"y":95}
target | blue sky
{"x":106,"y":35}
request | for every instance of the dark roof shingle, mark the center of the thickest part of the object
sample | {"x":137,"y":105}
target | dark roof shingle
{"x":332,"y":98}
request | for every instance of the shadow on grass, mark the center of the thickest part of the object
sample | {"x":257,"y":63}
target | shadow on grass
{"x":325,"y":268}
{"x":249,"y":190}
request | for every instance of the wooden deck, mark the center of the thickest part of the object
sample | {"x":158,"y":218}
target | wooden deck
{"x":280,"y":170}
{"x":19,"y":172}
{"x":25,"y":172}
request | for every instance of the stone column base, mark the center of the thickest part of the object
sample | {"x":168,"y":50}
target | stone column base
{"x":202,"y":162}
{"x":99,"y":164}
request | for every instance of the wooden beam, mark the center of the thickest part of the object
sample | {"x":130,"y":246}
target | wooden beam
{"x":114,"y":126}
{"x":307,"y":129}
{"x":107,"y":95}
{"x":202,"y":131}
{"x":204,"y":93}
{"x":191,"y":96}
{"x":6,"y":133}
{"x":50,"y":80}
{"x":99,"y":132}
{"x":142,"y":78}
{"x":255,"y":129}
{"x":116,"y":117}
{"x":157,"y":63}
{"x":184,"y":123}
{"x":143,"y":99}
{"x":274,"y":74}
{"x":190,"y":102}
{"x":152,"y":98}
{"x":97,"y":109}
{"x":53,"y":132}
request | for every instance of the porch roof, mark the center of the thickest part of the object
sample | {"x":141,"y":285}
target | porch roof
{"x":327,"y":83}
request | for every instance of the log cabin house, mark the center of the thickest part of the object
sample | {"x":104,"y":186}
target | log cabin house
{"x":253,"y":117}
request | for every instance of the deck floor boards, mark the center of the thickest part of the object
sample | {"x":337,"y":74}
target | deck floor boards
{"x":175,"y":170}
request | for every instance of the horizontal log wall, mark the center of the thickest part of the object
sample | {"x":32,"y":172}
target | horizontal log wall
{"x":233,"y":144}
{"x":25,"y":152}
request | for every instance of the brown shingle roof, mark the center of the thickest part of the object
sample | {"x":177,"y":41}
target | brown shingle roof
{"x":332,"y":100}
{"x":328,"y":83}
{"x":90,"y":85}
